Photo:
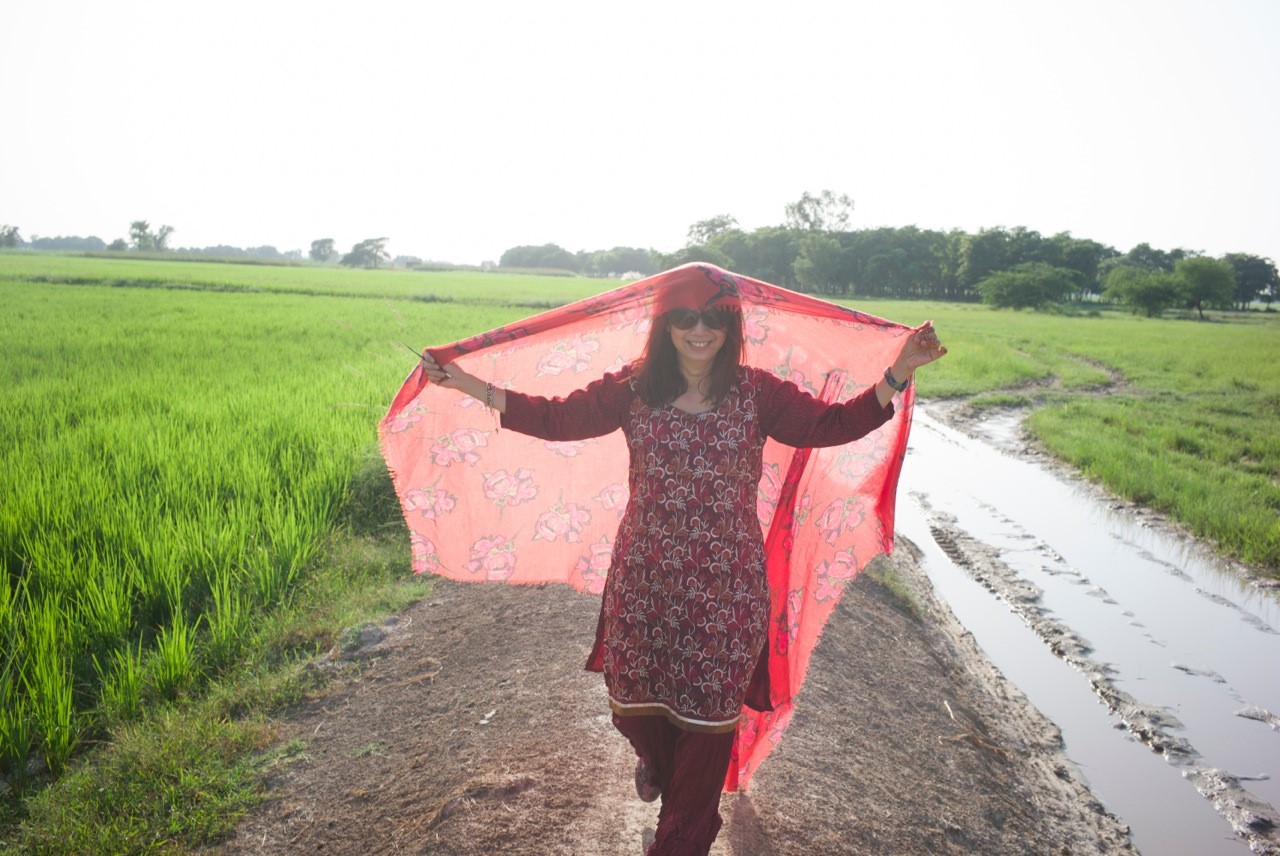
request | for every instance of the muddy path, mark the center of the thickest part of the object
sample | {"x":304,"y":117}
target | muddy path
{"x":467,"y":725}
{"x":1155,"y":658}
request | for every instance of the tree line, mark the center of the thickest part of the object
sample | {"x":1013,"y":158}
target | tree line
{"x":815,"y":251}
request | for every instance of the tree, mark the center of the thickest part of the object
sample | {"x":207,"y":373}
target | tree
{"x":1204,"y":282}
{"x":1141,"y":289}
{"x":704,"y":231}
{"x":140,"y":235}
{"x":9,"y":237}
{"x":1146,"y":256}
{"x":546,"y":256}
{"x":982,"y":255}
{"x":821,"y":265}
{"x":1255,"y":277}
{"x":118,"y":245}
{"x":144,"y":240}
{"x":369,"y":253}
{"x":69,"y":242}
{"x":825,"y":212}
{"x":687,"y":255}
{"x":619,"y":260}
{"x":1028,"y":286}
{"x":322,"y":250}
{"x":767,"y":253}
{"x":896,"y":261}
{"x":1083,"y":256}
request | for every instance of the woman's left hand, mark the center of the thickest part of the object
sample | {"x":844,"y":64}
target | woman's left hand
{"x":920,"y":348}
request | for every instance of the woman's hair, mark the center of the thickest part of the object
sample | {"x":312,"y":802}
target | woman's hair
{"x":658,"y":378}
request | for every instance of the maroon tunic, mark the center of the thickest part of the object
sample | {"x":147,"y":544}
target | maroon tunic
{"x":686,"y":601}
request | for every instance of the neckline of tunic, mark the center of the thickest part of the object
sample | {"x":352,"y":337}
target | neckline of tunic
{"x":680,"y":411}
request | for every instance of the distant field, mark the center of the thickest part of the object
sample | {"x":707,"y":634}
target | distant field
{"x":180,"y":437}
{"x":466,"y":286}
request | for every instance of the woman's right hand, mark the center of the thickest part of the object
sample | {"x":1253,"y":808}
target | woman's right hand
{"x":449,"y":377}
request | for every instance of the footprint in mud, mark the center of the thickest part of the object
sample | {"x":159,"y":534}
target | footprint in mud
{"x":1246,"y":616}
{"x":1200,"y":673}
{"x":1101,"y":594}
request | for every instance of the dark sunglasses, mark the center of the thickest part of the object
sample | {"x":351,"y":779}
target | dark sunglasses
{"x":687,"y":319}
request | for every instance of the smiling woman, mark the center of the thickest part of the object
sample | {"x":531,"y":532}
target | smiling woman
{"x":689,"y":595}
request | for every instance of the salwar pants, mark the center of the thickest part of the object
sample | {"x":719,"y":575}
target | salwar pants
{"x":689,"y":767}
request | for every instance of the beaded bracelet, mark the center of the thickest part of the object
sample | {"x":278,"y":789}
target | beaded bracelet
{"x":488,"y":395}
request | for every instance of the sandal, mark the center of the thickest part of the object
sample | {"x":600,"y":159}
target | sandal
{"x":646,"y":788}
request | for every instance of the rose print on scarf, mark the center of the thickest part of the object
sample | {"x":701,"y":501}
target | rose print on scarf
{"x":613,"y":498}
{"x":567,"y":448}
{"x":423,"y":553}
{"x":493,"y":556}
{"x":406,"y":419}
{"x":566,"y":520}
{"x":594,"y":566}
{"x":571,"y":355}
{"x":459,"y":446}
{"x":635,"y":317}
{"x":503,"y":488}
{"x":778,"y":723}
{"x":430,"y":502}
{"x":857,"y":464}
{"x":803,"y":509}
{"x":796,"y":376}
{"x":788,"y":624}
{"x":833,"y":574}
{"x":754,"y":330}
{"x":842,"y":515}
{"x":767,"y":495}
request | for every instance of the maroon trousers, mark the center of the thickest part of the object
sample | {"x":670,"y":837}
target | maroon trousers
{"x":689,"y":768}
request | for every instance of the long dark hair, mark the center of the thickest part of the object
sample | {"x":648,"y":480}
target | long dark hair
{"x":658,"y":378}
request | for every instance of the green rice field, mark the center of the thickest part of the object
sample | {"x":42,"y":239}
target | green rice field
{"x":181,"y":441}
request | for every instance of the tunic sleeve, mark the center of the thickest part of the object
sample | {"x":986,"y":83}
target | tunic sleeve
{"x":792,"y":416}
{"x":599,"y":408}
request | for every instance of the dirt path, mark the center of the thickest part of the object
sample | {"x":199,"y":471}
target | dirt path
{"x":470,"y":727}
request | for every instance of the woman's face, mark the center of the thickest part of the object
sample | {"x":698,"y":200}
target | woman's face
{"x":697,"y":345}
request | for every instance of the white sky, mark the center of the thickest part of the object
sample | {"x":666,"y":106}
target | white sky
{"x":461,"y":129}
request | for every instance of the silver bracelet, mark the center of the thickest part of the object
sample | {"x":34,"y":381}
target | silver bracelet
{"x":488,"y":395}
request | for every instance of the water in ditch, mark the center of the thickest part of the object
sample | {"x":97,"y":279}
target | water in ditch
{"x":1164,"y":623}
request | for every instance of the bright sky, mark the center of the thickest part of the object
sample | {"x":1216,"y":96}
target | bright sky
{"x":461,"y":129}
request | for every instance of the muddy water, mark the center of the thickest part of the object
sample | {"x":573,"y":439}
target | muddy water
{"x":1178,"y":645}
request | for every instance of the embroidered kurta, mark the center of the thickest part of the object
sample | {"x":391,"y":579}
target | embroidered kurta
{"x":685,"y":611}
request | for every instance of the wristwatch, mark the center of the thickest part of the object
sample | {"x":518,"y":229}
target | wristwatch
{"x":900,"y":386}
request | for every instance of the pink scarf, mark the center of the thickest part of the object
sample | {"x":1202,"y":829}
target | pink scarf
{"x":503,"y":507}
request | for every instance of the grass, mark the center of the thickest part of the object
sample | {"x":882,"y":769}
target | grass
{"x":177,"y":464}
{"x":883,"y":572}
{"x":192,"y":503}
{"x":176,"y":776}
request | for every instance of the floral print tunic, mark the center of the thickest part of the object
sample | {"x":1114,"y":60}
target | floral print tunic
{"x":685,"y":607}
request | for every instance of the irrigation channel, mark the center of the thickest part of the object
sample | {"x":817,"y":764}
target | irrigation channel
{"x":1160,"y":666}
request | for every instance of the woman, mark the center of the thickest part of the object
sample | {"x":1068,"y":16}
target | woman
{"x":684,"y":616}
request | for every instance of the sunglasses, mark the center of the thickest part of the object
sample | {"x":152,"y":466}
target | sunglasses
{"x":687,"y":319}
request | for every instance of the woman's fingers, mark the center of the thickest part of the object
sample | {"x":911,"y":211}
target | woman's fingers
{"x":925,"y":339}
{"x":434,"y":371}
